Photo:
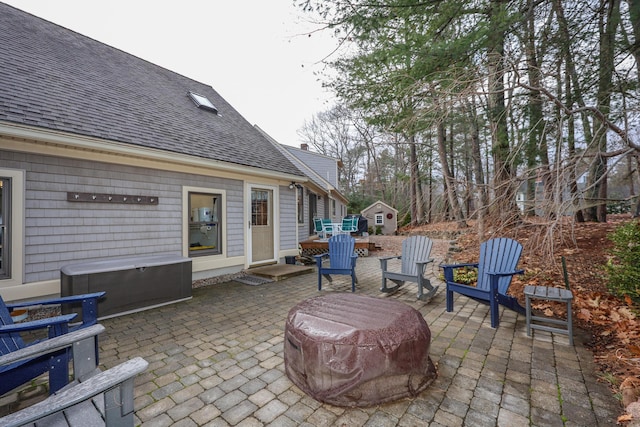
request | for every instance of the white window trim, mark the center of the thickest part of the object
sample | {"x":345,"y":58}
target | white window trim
{"x":17,"y":226}
{"x":206,"y":262}
{"x":379,"y":219}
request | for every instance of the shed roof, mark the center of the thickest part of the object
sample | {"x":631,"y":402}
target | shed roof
{"x":374,"y":206}
{"x":54,"y":78}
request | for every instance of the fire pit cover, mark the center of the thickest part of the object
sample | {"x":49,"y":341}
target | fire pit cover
{"x":352,"y":350}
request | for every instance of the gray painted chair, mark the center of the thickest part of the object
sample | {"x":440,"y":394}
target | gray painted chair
{"x":547,"y":293}
{"x":415,"y":257}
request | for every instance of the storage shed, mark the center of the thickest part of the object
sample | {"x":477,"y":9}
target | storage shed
{"x":381,"y":216}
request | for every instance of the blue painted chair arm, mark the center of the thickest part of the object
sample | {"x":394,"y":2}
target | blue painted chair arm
{"x":504,"y":273}
{"x":320,"y":257}
{"x":89,"y":306}
{"x":37,"y":324}
{"x":454,"y":266}
{"x":62,"y":300}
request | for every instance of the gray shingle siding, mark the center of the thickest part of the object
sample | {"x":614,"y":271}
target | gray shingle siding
{"x":57,"y":79}
{"x":288,"y":219}
{"x":58,"y":232}
{"x":324,"y":166}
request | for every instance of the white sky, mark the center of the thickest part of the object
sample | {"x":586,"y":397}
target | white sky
{"x":255,"y":53}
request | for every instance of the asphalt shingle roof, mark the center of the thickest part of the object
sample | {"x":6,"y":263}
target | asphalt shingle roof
{"x":54,"y":78}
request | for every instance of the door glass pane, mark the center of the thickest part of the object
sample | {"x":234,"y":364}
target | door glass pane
{"x":259,"y":207}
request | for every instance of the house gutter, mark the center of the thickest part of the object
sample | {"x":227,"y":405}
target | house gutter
{"x":30,"y":140}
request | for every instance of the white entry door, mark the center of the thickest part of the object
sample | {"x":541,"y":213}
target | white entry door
{"x":261,"y":222}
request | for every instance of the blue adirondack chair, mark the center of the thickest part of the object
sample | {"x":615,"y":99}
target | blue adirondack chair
{"x":18,"y":373}
{"x":93,"y":398}
{"x":415,"y":257}
{"x":342,"y":260}
{"x":496,"y":267}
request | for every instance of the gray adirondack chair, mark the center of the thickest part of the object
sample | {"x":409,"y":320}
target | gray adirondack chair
{"x":416,"y":251}
{"x":496,"y":267}
{"x":95,"y":397}
{"x":342,"y":260}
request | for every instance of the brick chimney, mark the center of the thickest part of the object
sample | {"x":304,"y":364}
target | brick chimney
{"x":304,"y":147}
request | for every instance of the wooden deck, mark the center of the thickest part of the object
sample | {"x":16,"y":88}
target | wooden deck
{"x":321,"y":246}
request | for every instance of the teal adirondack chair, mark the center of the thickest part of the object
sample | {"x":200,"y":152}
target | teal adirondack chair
{"x":342,"y":260}
{"x":416,"y":251}
{"x":318,"y":227}
{"x":327,"y":226}
{"x":496,"y":267}
{"x":349,"y":225}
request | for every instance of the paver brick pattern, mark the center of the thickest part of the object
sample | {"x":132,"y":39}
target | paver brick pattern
{"x":217,"y":360}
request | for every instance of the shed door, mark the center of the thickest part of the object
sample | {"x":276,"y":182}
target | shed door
{"x":261,"y":225}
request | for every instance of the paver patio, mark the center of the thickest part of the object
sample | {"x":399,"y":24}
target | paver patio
{"x":217,"y":360}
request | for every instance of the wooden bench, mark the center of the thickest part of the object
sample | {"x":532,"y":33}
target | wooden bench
{"x":94,"y":398}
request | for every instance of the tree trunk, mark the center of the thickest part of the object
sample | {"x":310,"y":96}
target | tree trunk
{"x":634,"y":17}
{"x":413,"y":165}
{"x":571,"y":148}
{"x":574,"y":94}
{"x":449,"y":180}
{"x":608,"y":23}
{"x":505,"y":208}
{"x":478,"y":171}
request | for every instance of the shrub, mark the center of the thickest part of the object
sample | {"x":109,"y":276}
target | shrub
{"x":621,"y":207}
{"x":623,"y":268}
{"x":464,"y":275}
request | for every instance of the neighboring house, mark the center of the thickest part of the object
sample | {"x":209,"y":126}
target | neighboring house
{"x":319,"y":197}
{"x":380,"y":214}
{"x":104,"y":155}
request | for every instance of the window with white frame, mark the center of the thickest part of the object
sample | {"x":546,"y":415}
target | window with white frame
{"x":379,"y":219}
{"x":11,"y":226}
{"x":205,"y":223}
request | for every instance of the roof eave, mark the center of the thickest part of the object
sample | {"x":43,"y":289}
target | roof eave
{"x":84,"y":144}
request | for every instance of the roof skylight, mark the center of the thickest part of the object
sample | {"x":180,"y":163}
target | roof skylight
{"x":203,"y":102}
